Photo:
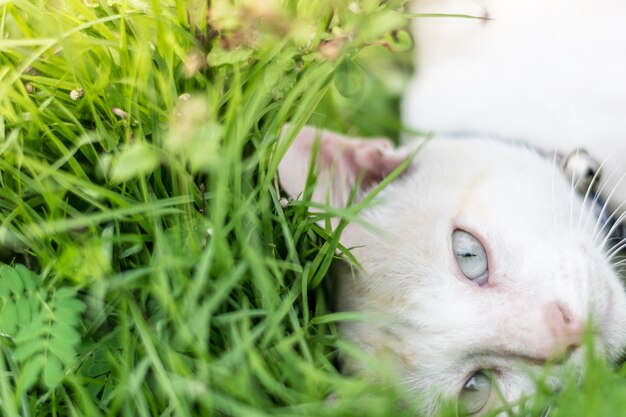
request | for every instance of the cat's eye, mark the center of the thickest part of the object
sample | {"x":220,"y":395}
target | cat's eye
{"x":470,"y":256}
{"x":475,"y":394}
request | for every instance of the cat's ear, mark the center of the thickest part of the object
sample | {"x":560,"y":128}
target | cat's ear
{"x":342,"y":163}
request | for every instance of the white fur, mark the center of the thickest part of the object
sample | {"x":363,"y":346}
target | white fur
{"x":547,"y":72}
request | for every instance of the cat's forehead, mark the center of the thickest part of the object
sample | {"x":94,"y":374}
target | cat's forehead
{"x":505,"y":193}
{"x":466,"y":163}
{"x":482,"y":177}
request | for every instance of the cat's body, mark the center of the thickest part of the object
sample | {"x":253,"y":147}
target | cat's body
{"x":483,"y":258}
{"x":550,"y":73}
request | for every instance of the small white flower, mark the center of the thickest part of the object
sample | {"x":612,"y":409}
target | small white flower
{"x":354,"y":7}
{"x":77,"y":93}
{"x":119,"y":113}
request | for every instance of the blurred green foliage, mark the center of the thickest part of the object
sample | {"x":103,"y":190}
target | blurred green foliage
{"x":136,"y":178}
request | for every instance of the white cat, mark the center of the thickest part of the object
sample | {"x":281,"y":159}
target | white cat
{"x":482,"y":261}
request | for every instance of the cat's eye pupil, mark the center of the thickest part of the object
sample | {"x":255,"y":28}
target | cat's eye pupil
{"x":475,"y":394}
{"x":470,"y":256}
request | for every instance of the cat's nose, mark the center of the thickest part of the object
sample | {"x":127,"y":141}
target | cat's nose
{"x":566,"y":329}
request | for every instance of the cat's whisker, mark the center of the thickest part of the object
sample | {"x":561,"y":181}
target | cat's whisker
{"x":597,"y":231}
{"x":620,"y":264}
{"x":591,"y":214}
{"x":597,"y":196}
{"x":594,"y":181}
{"x":617,"y":245}
{"x":598,"y":193}
{"x":572,"y":190}
{"x":616,"y":224}
{"x":617,"y":250}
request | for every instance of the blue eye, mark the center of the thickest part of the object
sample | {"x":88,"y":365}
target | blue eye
{"x":471,"y":256}
{"x":475,"y":394}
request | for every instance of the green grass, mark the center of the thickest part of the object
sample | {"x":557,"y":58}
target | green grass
{"x":137,"y":167}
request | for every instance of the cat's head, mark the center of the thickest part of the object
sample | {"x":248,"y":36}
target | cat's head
{"x":481,"y":263}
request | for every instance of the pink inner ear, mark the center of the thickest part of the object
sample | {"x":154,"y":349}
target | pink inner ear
{"x":377,"y":161}
{"x":341,"y":163}
{"x":374,"y":159}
